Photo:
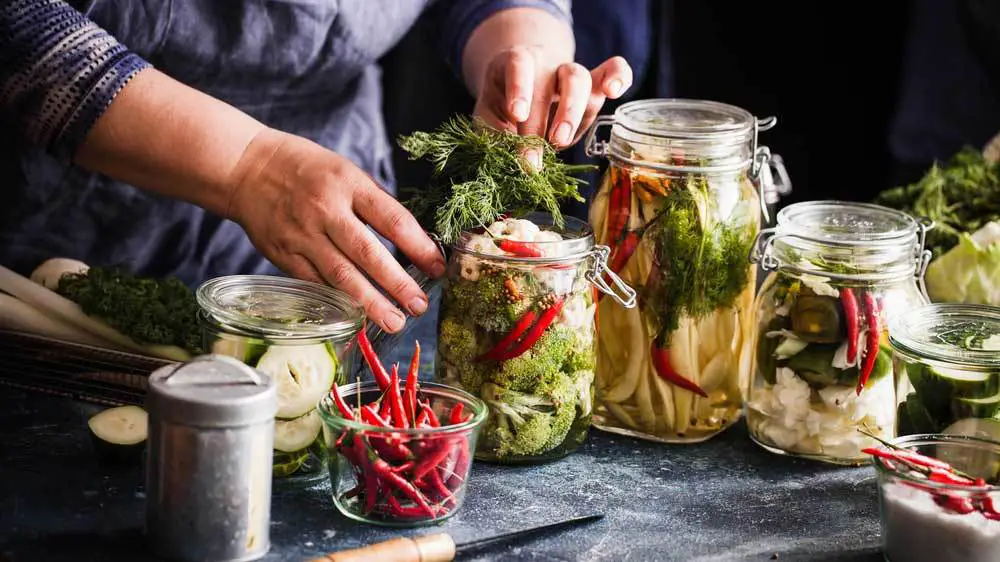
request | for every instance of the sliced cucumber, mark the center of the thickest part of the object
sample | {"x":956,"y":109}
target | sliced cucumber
{"x":789,"y":347}
{"x":303,"y":374}
{"x":294,"y":435}
{"x":119,"y":433}
{"x":979,"y":462}
{"x":246,"y":350}
{"x":987,"y":407}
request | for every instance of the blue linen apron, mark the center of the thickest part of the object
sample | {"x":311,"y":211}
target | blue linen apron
{"x":303,"y":66}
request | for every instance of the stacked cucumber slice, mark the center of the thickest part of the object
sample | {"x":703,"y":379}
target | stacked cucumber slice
{"x":942,"y":395}
{"x":303,"y":375}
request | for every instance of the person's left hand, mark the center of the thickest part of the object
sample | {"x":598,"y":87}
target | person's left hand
{"x":523,"y":93}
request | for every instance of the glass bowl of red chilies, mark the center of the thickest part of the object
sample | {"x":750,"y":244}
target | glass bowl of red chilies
{"x":400,"y":456}
{"x":939,"y":498}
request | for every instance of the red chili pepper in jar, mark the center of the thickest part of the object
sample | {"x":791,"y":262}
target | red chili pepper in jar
{"x":516,"y":332}
{"x":661,"y":362}
{"x":849,"y":303}
{"x":533,"y":335}
{"x":872,"y":350}
{"x":519,"y":249}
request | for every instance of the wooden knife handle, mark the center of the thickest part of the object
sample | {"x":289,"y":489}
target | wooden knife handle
{"x":439,"y":547}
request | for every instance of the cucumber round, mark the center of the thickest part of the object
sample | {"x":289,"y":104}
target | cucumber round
{"x":986,"y":407}
{"x":246,"y":350}
{"x":294,"y":435}
{"x":120,"y":433}
{"x":302,"y":374}
{"x":977,"y":463}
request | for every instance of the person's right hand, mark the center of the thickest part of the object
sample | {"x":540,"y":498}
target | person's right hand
{"x":305,"y":208}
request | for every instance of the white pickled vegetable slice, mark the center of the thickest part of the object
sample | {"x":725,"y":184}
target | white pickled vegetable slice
{"x":51,"y":271}
{"x":294,"y":435}
{"x":124,"y":425}
{"x":303,"y":374}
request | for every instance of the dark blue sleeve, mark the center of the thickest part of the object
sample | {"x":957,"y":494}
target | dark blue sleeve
{"x":455,"y":20}
{"x":59,"y":72}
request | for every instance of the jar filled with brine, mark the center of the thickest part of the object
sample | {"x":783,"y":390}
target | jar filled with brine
{"x":837,"y":273}
{"x":947,"y":362}
{"x":516,"y":329}
{"x":679,"y":207}
{"x":297,"y":333}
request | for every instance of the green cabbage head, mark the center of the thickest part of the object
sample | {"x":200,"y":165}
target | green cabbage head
{"x":970,"y":272}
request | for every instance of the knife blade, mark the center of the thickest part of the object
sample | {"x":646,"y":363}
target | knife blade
{"x":440,"y":547}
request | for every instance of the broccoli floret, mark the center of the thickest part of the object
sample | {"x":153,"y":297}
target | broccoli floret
{"x":537,"y":366}
{"x":530,"y":424}
{"x":472,"y":376}
{"x":457,"y":341}
{"x":494,"y":302}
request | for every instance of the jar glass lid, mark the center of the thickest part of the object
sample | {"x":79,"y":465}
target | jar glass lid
{"x":966,"y":334}
{"x":841,"y":222}
{"x":684,"y":118}
{"x":848,"y":239}
{"x":280,"y":307}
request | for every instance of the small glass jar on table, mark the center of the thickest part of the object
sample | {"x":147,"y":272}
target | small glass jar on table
{"x":297,"y":333}
{"x":679,"y":207}
{"x":947,"y":363}
{"x":516,"y":329}
{"x":823,"y":370}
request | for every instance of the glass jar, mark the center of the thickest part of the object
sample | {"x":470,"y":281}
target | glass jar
{"x":679,"y":208}
{"x":297,"y":333}
{"x":947,"y":361}
{"x":516,"y":329}
{"x":823,"y":371}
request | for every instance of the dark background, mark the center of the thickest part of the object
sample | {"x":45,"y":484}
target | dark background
{"x":828,"y":70}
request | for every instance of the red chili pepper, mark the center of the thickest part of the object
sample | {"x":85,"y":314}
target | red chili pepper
{"x":850,"y":305}
{"x":455,"y":417}
{"x":363,"y":456}
{"x":423,"y":419}
{"x":407,"y":512}
{"x":519,"y":249}
{"x":384,"y":472}
{"x":622,"y":209}
{"x":625,"y":250}
{"x":908,"y":456}
{"x":532,"y":336}
{"x":345,"y":410}
{"x":431,"y":416}
{"x":395,"y":400}
{"x":432,"y":459}
{"x":371,"y":417}
{"x":446,"y":495}
{"x":958,"y":504}
{"x":457,"y":476}
{"x":381,"y":376}
{"x":989,"y":508}
{"x":872,"y":351}
{"x":661,"y":362}
{"x":410,"y":400}
{"x":403,"y":467}
{"x":945,"y":477}
{"x":522,"y":325}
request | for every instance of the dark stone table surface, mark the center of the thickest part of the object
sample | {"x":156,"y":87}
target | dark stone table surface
{"x":722,"y":500}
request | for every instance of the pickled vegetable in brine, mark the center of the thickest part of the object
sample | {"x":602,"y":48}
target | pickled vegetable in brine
{"x":673,"y":368}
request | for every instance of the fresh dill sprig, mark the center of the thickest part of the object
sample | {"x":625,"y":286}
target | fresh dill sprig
{"x":480,"y":173}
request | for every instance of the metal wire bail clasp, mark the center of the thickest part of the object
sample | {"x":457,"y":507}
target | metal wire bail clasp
{"x":591,"y":145}
{"x":762,"y":250}
{"x":922,"y":255}
{"x":621,"y":292}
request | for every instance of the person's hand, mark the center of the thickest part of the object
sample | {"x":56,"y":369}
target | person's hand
{"x":306,"y":208}
{"x":524,"y":93}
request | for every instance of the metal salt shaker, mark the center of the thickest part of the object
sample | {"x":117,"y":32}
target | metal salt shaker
{"x":208,"y":469}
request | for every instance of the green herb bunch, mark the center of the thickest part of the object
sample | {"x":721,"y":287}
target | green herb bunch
{"x":150,"y":311}
{"x":960,"y":196}
{"x":702,"y":262}
{"x":480,"y":173}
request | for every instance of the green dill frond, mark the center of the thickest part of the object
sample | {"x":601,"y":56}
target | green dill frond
{"x":480,"y":174}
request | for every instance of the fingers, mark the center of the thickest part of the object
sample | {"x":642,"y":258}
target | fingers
{"x":519,"y":83}
{"x":612,"y":77}
{"x":573,"y":83}
{"x":387,"y":216}
{"x":335,"y":269}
